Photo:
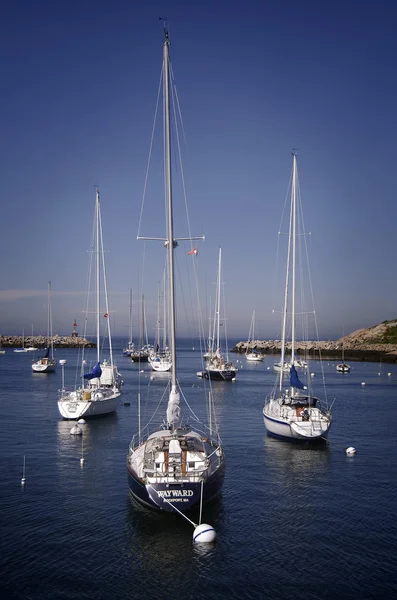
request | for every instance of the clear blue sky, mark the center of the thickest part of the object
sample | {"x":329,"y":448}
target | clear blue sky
{"x":255,"y":79}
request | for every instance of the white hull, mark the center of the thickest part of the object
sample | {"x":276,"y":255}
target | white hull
{"x":44,"y":365}
{"x":286,"y":422}
{"x":343,"y":368}
{"x":161,"y":364}
{"x":298,"y":364}
{"x":20,"y":350}
{"x":73,"y":405}
{"x":254,"y":357}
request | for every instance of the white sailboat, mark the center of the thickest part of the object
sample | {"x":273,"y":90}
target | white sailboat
{"x":101,"y":395}
{"x":22,"y":349}
{"x":218,"y":367}
{"x":47,"y":363}
{"x":160,"y":356}
{"x":343,"y":367}
{"x":252,"y":355}
{"x":131,"y":347}
{"x":176,"y":468}
{"x":294,"y":413}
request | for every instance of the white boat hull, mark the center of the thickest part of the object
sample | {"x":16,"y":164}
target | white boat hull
{"x":254,"y":357}
{"x":284,"y":423}
{"x":159,"y":364}
{"x":74,"y":405}
{"x":44,"y":365}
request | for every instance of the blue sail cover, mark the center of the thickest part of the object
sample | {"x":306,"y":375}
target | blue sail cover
{"x":294,"y":379}
{"x":95,"y":372}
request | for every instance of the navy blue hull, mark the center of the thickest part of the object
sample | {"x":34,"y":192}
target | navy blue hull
{"x":215,"y":375}
{"x":184,"y":496}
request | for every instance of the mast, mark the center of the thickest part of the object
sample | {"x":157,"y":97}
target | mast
{"x":218,"y":299}
{"x":285,"y":310}
{"x":130,"y":323}
{"x":97,"y":272}
{"x":50,"y":344}
{"x":293,"y":236}
{"x":173,"y":410}
{"x":293,"y":256}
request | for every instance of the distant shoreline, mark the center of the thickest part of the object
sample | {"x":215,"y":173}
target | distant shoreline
{"x":41,"y":341}
{"x":386,"y":353}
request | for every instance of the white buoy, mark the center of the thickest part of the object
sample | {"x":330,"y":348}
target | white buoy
{"x":268,"y":368}
{"x":76,"y":430}
{"x":142,"y":370}
{"x":204,"y":534}
{"x":81,"y":422}
{"x":389,"y":374}
{"x":363,"y":383}
{"x":312,"y":374}
{"x":23,"y":473}
{"x":350,"y":451}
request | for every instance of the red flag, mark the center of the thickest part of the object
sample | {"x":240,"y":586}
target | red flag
{"x":194,"y":251}
{"x":106,"y":315}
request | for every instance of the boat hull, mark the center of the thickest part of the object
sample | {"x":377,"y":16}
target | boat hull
{"x":76,"y":408}
{"x":44,"y":366}
{"x":254,"y":358}
{"x":185,"y":496}
{"x":287,"y":430}
{"x":220,"y":375}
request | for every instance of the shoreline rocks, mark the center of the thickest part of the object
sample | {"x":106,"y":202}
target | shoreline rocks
{"x":353,"y":351}
{"x":40,"y":341}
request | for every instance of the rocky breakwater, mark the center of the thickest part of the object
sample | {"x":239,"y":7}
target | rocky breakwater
{"x":373,"y":344}
{"x":40,"y":341}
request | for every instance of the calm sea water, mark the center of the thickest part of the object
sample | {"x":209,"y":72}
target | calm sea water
{"x":293,"y":522}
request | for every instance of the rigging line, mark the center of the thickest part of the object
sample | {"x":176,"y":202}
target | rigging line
{"x":178,"y":104}
{"x":177,"y":110}
{"x":188,"y":405}
{"x":105,"y":289}
{"x":150,"y":153}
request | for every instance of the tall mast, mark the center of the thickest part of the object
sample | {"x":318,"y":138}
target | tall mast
{"x":218,"y":302}
{"x":97,"y":273}
{"x":293,"y":257}
{"x":130,"y":322}
{"x":286,"y":293}
{"x":170,"y":224}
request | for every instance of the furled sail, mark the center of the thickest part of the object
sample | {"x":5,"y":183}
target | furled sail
{"x":95,"y":372}
{"x":173,"y":410}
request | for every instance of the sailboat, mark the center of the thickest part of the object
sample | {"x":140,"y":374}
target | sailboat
{"x":23,"y":349}
{"x":343,"y":367}
{"x":176,"y":468}
{"x":101,"y":395}
{"x":294,"y":413}
{"x":130,"y":348}
{"x":47,"y":363}
{"x":141,"y":354}
{"x":217,"y":366}
{"x":253,"y":355}
{"x":160,"y":356}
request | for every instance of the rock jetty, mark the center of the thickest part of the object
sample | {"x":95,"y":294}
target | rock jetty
{"x":40,"y":341}
{"x":373,"y":344}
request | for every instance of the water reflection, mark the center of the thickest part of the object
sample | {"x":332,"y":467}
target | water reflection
{"x":163,"y":542}
{"x":294,"y":461}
